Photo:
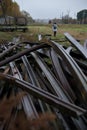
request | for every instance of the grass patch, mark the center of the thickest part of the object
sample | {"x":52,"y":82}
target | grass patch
{"x":77,"y":31}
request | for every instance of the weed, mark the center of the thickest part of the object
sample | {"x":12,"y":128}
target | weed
{"x":20,"y":122}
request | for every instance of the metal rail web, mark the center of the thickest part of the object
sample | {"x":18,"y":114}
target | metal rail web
{"x":53,"y":78}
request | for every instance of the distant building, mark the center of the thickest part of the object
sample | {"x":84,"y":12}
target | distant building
{"x":82,"y":16}
{"x":9,"y":20}
{"x":6,"y":20}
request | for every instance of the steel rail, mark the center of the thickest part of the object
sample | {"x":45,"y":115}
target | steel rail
{"x":29,"y":71}
{"x":79,"y":124}
{"x":65,"y":107}
{"x":25,"y":52}
{"x":26,"y":100}
{"x":69,"y":49}
{"x":61,"y":76}
{"x":68,"y":58}
{"x":34,"y":80}
{"x":45,"y":86}
{"x":85,"y":44}
{"x":80,"y":78}
{"x":8,"y":50}
{"x":79,"y":47}
{"x":32,"y":76}
{"x":81,"y":63}
{"x":51,"y":78}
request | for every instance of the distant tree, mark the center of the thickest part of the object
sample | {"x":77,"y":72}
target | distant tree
{"x":0,"y":10}
{"x":16,"y":9}
{"x":25,"y":13}
{"x":27,"y":16}
{"x":66,"y":19}
{"x":11,"y":8}
{"x":8,"y":7}
{"x":82,"y":16}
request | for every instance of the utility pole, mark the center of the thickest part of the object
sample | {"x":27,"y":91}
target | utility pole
{"x":68,"y":12}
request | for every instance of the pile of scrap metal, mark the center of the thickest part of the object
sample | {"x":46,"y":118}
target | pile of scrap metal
{"x":54,"y":78}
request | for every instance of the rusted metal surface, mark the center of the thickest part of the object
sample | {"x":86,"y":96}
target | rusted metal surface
{"x":69,"y":108}
{"x":6,"y":61}
{"x":61,"y":76}
{"x":85,"y":44}
{"x":76,"y":44}
{"x":80,"y":78}
{"x":8,"y":50}
{"x":53,"y":76}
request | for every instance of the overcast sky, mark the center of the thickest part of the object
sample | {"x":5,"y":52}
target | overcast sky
{"x":47,"y":9}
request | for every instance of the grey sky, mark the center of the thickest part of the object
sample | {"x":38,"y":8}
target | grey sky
{"x":45,"y":9}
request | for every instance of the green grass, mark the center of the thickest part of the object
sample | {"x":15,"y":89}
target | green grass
{"x":77,"y":31}
{"x":8,"y":35}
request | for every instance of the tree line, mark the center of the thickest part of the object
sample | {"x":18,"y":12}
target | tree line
{"x":8,"y":7}
{"x":82,"y":16}
{"x":11,"y":8}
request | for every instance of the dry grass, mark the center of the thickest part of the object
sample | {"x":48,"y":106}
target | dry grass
{"x":41,"y":123}
{"x":77,"y":31}
{"x":6,"y":105}
{"x":20,"y":122}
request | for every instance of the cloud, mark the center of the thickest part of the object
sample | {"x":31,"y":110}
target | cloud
{"x":52,"y":8}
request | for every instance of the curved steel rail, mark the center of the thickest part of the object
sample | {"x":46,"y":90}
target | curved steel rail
{"x":65,"y":108}
{"x":80,"y":78}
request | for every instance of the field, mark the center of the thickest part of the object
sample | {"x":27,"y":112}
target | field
{"x":64,"y":89}
{"x":77,"y":31}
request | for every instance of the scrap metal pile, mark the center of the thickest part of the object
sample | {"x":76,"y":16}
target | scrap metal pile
{"x":54,"y":77}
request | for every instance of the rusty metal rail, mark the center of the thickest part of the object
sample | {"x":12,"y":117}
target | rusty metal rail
{"x":60,"y":75}
{"x":26,"y":100}
{"x":79,"y":78}
{"x":6,"y":61}
{"x":54,"y":77}
{"x":8,"y":50}
{"x":76,"y":44}
{"x":64,"y":107}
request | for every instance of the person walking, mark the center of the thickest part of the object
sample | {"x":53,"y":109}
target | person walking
{"x":54,"y":28}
